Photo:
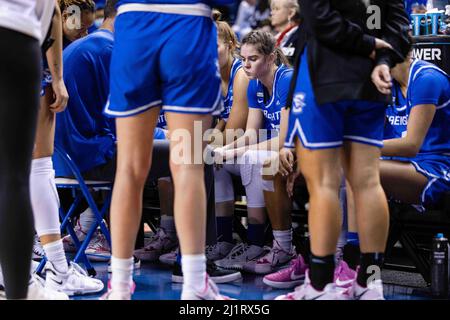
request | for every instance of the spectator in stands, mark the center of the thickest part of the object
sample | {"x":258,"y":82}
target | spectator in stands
{"x":261,"y":16}
{"x":242,"y":24}
{"x":415,"y":6}
{"x":285,"y":18}
{"x":99,"y":15}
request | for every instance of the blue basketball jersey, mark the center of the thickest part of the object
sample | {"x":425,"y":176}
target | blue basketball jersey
{"x":258,"y":97}
{"x":228,"y":99}
{"x":429,"y":85}
{"x":396,"y":115}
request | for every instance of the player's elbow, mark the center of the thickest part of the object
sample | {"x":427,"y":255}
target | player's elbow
{"x":412,"y":149}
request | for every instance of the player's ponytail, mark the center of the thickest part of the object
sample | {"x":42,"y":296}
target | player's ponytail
{"x":281,"y":58}
{"x":224,"y":32}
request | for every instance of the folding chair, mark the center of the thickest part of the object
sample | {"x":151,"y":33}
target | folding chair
{"x":81,"y":189}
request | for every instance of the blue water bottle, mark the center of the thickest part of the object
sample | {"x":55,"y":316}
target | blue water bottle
{"x":439,"y":267}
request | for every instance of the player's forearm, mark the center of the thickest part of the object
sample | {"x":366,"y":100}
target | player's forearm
{"x":243,"y":141}
{"x":270,"y":144}
{"x":267,"y":145}
{"x":402,"y":147}
{"x":54,"y":53}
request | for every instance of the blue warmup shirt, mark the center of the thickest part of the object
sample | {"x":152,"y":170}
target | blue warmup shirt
{"x":228,"y":99}
{"x":84,"y":132}
{"x":82,"y":129}
{"x":258,"y":97}
{"x":427,"y":85}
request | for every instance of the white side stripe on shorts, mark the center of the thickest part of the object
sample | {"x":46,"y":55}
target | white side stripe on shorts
{"x":131,"y":112}
{"x":366,"y":140}
{"x":298,"y":127}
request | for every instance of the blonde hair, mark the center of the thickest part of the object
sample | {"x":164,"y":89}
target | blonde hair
{"x":293,"y":4}
{"x":224,"y":31}
{"x":84,"y":5}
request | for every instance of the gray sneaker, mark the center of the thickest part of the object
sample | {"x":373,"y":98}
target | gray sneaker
{"x":218,"y":251}
{"x":241,"y":254}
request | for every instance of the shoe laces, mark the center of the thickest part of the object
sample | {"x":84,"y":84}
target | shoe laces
{"x":78,"y":275}
{"x":77,"y":269}
{"x":275,"y":250}
{"x":211,"y":249}
{"x":238,"y":250}
{"x":158,"y":238}
{"x":99,"y":242}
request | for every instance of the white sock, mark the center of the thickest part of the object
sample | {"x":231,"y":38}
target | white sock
{"x":168,"y":224}
{"x":122,"y":274}
{"x":284,"y":239}
{"x":44,"y":197}
{"x":87,"y":219}
{"x":194,"y":272}
{"x":56,"y":255}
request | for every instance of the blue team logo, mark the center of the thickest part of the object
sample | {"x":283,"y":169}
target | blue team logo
{"x":298,"y":103}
